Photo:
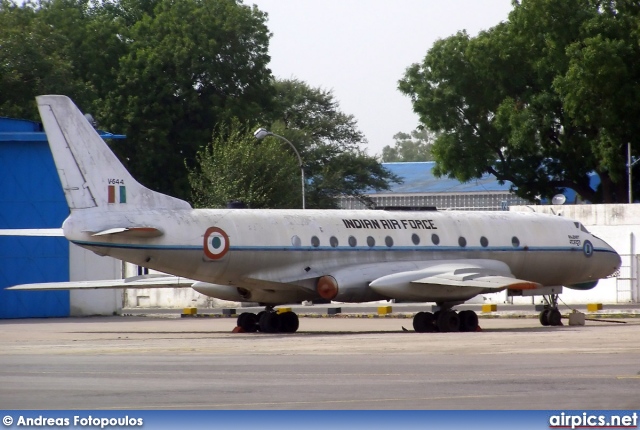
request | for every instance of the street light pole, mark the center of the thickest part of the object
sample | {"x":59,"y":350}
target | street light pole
{"x":261,"y":133}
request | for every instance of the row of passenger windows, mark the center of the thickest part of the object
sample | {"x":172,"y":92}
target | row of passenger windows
{"x":388,"y":241}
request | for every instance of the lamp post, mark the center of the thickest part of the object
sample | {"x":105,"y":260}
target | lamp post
{"x":261,"y":133}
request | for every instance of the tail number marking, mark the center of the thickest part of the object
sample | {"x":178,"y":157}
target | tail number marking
{"x":216,"y":243}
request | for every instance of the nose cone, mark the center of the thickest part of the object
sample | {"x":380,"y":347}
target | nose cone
{"x":608,"y":260}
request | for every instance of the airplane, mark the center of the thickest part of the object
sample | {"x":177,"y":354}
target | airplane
{"x":278,"y":257}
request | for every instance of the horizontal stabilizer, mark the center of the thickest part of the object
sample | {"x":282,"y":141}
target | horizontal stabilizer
{"x":37,"y":232}
{"x":130,"y":232}
{"x":144,"y":281}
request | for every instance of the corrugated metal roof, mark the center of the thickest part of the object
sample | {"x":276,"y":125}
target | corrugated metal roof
{"x":418,"y":178}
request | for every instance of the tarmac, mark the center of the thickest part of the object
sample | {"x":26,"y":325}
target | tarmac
{"x":393,"y":310}
{"x":357,"y":360}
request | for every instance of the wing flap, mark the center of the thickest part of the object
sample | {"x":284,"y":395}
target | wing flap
{"x":496,"y":282}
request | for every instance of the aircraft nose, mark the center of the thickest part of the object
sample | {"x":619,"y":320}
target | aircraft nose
{"x":609,"y":258}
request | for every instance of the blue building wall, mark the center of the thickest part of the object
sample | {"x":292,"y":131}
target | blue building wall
{"x":31,"y":196}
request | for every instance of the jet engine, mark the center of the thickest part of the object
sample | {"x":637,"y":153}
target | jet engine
{"x":239,"y":294}
{"x":347,"y":286}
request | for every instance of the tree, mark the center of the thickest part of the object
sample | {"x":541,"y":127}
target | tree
{"x":189,"y":65}
{"x":329,"y":143}
{"x":506,"y":102}
{"x":33,"y":61}
{"x":266,"y":173}
{"x":409,"y":147}
{"x":236,"y":167}
{"x":164,"y":73}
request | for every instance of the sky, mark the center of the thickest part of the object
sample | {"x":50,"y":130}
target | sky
{"x":360,"y":49}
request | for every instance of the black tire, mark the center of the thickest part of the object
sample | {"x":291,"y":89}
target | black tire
{"x":554,"y":317}
{"x":249,"y":323}
{"x":258,"y":317}
{"x":448,"y":321}
{"x":269,"y":322}
{"x":424,"y":322}
{"x":289,"y":322}
{"x":544,"y":317}
{"x":418,"y":322}
{"x":241,"y":319}
{"x":468,"y":320}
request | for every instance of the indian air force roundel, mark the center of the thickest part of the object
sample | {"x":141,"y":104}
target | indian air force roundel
{"x":216,"y":243}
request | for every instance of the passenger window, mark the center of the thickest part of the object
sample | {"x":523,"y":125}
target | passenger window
{"x":371,"y":242}
{"x":352,"y":242}
{"x":435,"y":239}
{"x":388,"y":241}
{"x":333,"y":241}
{"x":315,"y":242}
{"x":295,"y":241}
{"x":415,"y":239}
{"x":484,"y":242}
{"x":515,"y":242}
{"x":462,"y":242}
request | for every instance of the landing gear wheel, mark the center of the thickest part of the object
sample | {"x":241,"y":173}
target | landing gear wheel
{"x":544,"y":317}
{"x":248,"y":321}
{"x":269,"y":322}
{"x":550,"y":315}
{"x":554,"y":317}
{"x":448,"y":321}
{"x":259,"y":316}
{"x":468,"y":320}
{"x":289,"y":322}
{"x":424,"y":322}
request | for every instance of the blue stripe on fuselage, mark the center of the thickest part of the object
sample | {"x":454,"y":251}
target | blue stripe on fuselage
{"x":341,"y":248}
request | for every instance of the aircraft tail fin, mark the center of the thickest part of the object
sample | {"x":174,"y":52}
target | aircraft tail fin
{"x":90,"y":173}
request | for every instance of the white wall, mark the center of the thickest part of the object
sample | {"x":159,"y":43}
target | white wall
{"x":84,"y":265}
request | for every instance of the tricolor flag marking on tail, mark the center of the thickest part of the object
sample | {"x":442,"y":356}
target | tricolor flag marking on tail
{"x":112,"y":194}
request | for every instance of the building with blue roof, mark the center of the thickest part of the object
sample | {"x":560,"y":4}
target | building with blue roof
{"x":420,"y":188}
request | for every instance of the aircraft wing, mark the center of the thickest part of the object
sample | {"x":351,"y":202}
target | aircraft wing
{"x":485,"y":276}
{"x":478,"y":280}
{"x":144,"y":281}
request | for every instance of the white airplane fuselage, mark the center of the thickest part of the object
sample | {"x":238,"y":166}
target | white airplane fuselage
{"x":287,"y":256}
{"x":268,"y":250}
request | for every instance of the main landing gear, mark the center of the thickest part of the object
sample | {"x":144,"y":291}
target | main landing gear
{"x":268,"y":321}
{"x":445,"y":320}
{"x":550,"y":315}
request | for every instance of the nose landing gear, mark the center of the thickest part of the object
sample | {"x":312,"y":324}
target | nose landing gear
{"x":550,"y":315}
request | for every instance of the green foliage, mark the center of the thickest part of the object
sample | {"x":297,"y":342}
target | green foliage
{"x":237,"y":167}
{"x":409,"y":147}
{"x":164,"y":72}
{"x":329,"y":143}
{"x":540,"y":100}
{"x":33,"y":61}
{"x":189,"y":65}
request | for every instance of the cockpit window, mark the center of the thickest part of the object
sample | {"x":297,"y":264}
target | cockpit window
{"x":581,"y":227}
